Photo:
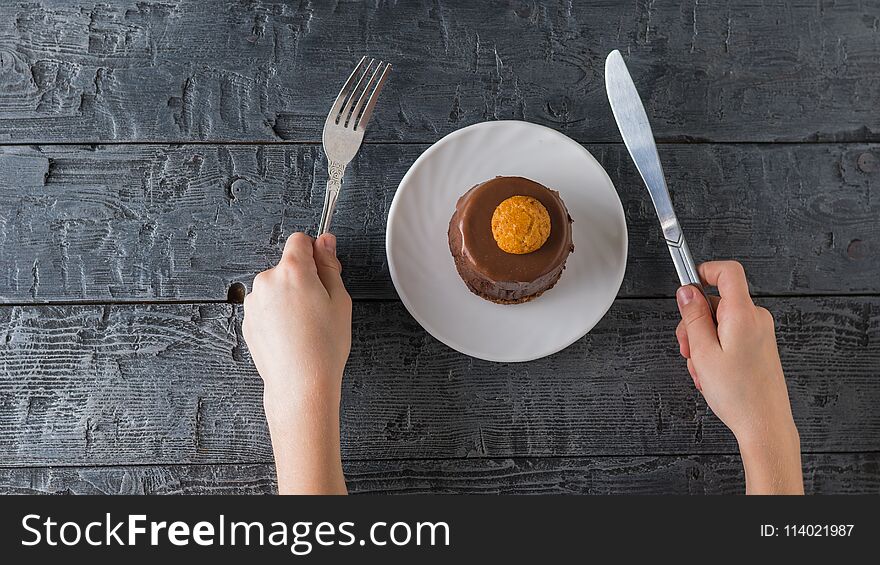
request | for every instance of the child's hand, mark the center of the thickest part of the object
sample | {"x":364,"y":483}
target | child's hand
{"x":297,"y":325}
{"x":736,"y":366}
{"x":297,"y":321}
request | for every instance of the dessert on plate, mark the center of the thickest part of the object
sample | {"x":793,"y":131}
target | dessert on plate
{"x":510,"y":238}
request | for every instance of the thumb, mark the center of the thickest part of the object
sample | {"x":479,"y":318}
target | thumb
{"x":697,"y":317}
{"x":329,"y":267}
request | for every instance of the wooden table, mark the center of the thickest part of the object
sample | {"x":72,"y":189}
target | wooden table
{"x":154,"y":154}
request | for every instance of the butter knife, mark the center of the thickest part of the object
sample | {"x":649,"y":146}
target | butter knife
{"x":639,"y":139}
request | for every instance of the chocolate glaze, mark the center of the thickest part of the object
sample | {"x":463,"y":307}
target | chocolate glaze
{"x":487,"y":270}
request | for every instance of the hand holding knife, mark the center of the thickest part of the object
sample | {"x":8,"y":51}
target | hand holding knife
{"x":639,"y":139}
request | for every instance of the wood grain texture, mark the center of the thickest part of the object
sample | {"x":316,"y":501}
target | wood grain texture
{"x":267,"y":70}
{"x":158,"y":222}
{"x":171,"y":479}
{"x":149,"y":384}
{"x":830,"y":473}
{"x":836,"y":473}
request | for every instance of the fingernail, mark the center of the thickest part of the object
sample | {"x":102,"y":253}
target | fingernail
{"x":330,"y":243}
{"x":684,"y":295}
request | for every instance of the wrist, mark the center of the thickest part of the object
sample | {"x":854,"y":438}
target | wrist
{"x":782,"y":434}
{"x":317,"y":401}
{"x":304,"y":428}
{"x":772,"y":460}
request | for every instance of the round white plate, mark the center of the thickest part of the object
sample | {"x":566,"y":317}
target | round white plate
{"x":423,"y":270}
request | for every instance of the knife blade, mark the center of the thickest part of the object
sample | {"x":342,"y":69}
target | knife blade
{"x":629,"y":112}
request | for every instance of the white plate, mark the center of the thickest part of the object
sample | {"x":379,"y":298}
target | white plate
{"x":423,"y":270}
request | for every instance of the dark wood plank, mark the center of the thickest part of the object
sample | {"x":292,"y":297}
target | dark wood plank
{"x":837,"y":473}
{"x":92,"y":385}
{"x":829,"y":473}
{"x":268,"y":70}
{"x":169,"y":479}
{"x":156,"y":222}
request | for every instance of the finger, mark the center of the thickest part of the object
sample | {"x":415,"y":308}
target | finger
{"x":298,"y":249}
{"x":697,"y":317}
{"x":730,"y":279}
{"x":767,"y":317}
{"x":694,"y":377}
{"x":329,"y":267}
{"x":261,"y":279}
{"x":682,"y":337}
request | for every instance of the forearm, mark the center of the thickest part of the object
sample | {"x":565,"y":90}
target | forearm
{"x":772,"y":463}
{"x":305,"y":442}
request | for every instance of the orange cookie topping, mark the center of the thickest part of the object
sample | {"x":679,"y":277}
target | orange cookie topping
{"x":520,"y":225}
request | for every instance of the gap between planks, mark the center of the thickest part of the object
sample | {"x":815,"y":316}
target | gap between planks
{"x":672,"y":141}
{"x":172,"y":302}
{"x":425,"y":459}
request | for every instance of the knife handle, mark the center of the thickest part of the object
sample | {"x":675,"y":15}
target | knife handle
{"x":686,"y":269}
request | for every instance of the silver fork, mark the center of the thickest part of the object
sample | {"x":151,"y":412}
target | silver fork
{"x":345,"y":125}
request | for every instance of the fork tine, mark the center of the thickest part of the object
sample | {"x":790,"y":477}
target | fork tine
{"x":368,"y":110}
{"x":355,"y":93}
{"x":364,"y":95}
{"x":346,"y":91}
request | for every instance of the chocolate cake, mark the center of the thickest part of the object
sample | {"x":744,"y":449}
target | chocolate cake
{"x":500,"y":241}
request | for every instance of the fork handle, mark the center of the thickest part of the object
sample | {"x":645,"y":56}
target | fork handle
{"x":334,"y":184}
